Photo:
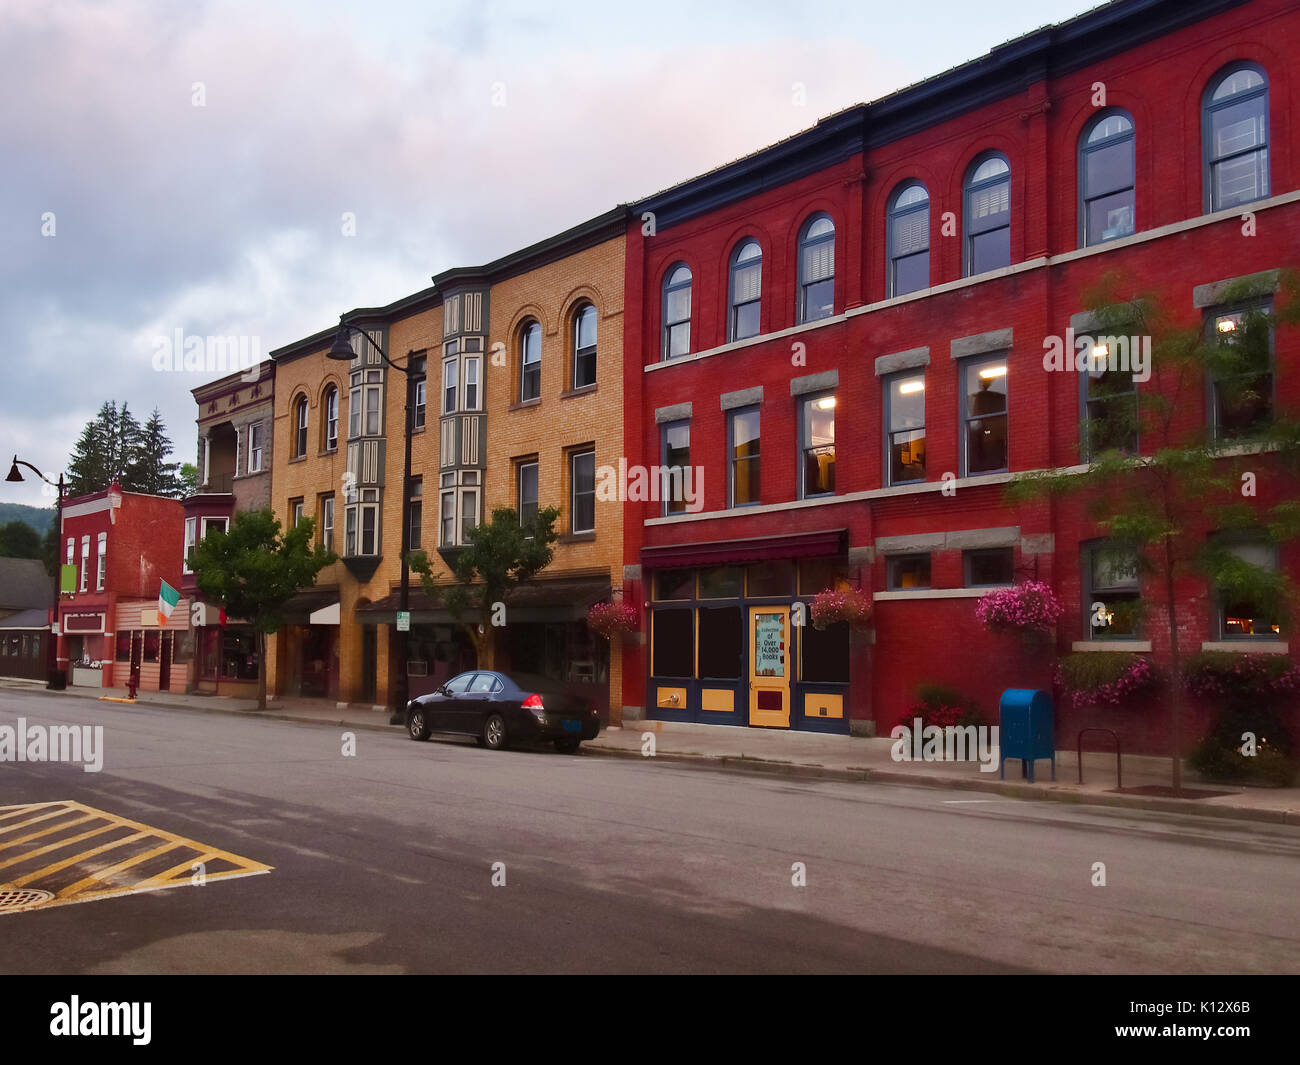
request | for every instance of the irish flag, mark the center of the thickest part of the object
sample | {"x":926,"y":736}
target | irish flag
{"x":168,"y":597}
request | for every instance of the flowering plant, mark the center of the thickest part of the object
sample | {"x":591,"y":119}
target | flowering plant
{"x":1249,"y":679}
{"x":943,"y":707}
{"x":1028,"y":607}
{"x":1106,"y":678}
{"x":840,"y":604}
{"x":611,"y":619}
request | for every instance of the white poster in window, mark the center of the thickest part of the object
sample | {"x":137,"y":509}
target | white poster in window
{"x":769,"y":645}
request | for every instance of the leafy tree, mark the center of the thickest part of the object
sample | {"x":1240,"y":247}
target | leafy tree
{"x":252,"y":570}
{"x":189,"y":479}
{"x":1170,"y":509}
{"x":19,"y":540}
{"x":147,"y":468}
{"x":501,"y":554}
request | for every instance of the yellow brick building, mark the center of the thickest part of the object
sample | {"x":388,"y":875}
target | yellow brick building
{"x":514,"y":371}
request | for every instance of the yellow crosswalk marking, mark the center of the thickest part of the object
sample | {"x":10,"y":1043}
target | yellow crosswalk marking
{"x":96,"y":873}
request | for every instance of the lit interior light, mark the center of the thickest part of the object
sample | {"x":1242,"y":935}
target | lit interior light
{"x":1227,"y":325}
{"x":1100,"y":352}
{"x":908,"y":387}
{"x":826,"y":403}
{"x":993,"y":371}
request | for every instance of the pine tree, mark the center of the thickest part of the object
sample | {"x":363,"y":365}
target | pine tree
{"x":148,"y":470}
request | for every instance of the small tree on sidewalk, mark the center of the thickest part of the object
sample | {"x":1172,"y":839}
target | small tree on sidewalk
{"x":252,"y":571}
{"x":1158,"y":479}
{"x":501,"y":554}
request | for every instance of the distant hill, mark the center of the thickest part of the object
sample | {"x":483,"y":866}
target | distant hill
{"x":39,"y":518}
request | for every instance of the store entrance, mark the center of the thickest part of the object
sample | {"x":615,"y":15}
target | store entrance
{"x":769,"y":666}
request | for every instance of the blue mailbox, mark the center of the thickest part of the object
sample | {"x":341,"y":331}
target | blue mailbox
{"x":1027,"y":730}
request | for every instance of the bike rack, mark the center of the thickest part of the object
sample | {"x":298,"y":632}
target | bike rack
{"x":1119,"y":763}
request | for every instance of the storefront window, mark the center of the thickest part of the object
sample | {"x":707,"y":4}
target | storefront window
{"x":674,"y":584}
{"x":238,"y":656}
{"x":124,"y":646}
{"x":721,"y":582}
{"x":818,"y":574}
{"x":826,"y":654}
{"x":722,"y":642}
{"x":673,"y":643}
{"x":151,"y":645}
{"x":772,"y":578}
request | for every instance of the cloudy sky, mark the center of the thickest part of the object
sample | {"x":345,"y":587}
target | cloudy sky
{"x":452,"y":132}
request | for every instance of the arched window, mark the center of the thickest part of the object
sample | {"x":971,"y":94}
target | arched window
{"x":530,"y":362}
{"x":331,"y":421}
{"x":909,"y":239}
{"x":746,"y":290}
{"x":677,"y":311}
{"x":1106,"y":178}
{"x":584,"y":346}
{"x":300,"y":427}
{"x":817,"y":269}
{"x":988,"y":215}
{"x":1236,"y":137}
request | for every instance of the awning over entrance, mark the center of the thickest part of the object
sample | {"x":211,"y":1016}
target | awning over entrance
{"x":825,"y":544}
{"x":301,"y":607}
{"x":326,"y":615}
{"x":556,"y":599}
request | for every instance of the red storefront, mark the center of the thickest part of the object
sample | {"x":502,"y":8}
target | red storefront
{"x":121,"y":547}
{"x":844,"y":336}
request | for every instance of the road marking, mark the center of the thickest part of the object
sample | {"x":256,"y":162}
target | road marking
{"x":124,"y":865}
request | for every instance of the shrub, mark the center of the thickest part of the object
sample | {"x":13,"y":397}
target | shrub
{"x":944,"y":707}
{"x":1106,"y":678}
{"x":1236,"y":680}
{"x":1028,"y":607}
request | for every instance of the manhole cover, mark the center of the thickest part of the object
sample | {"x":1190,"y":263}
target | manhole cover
{"x":17,"y":898}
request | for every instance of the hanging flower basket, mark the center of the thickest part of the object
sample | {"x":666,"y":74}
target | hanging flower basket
{"x":612,"y":619}
{"x":1030,"y":609}
{"x":851,"y":605}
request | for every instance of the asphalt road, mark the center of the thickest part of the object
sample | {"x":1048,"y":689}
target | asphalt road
{"x":383,"y":862}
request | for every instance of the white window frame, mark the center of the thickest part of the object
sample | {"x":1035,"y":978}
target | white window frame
{"x":473,"y":362}
{"x":255,"y":448}
{"x":101,"y":562}
{"x":327,"y":522}
{"x":84,"y":583}
{"x":191,"y":530}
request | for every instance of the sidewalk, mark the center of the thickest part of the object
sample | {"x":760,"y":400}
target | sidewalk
{"x":809,"y":755}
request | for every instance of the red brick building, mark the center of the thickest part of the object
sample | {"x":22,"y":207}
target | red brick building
{"x":845,"y":333}
{"x":123,"y":545}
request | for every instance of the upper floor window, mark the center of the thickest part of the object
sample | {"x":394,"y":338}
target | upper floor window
{"x":1110,"y":400}
{"x":101,"y":569}
{"x":1244,"y":606}
{"x":471,"y":371}
{"x":1235,"y":131}
{"x":817,"y":447}
{"x":984,"y":413}
{"x":420,"y":391}
{"x":300,"y":427}
{"x":1241,"y":384}
{"x":676,"y":456}
{"x":191,"y":538}
{"x":584,"y":346}
{"x":415,"y":513}
{"x":450,"y":376}
{"x":988,"y":215}
{"x":255,"y":446}
{"x":331,"y":418}
{"x":582,"y":492}
{"x":1106,"y":178}
{"x":746,"y":290}
{"x":906,"y":420}
{"x":817,"y":269}
{"x":677,"y":311}
{"x":909,"y":240}
{"x":530,"y":362}
{"x":744,"y":460}
{"x":327,"y":522}
{"x":527,"y":492}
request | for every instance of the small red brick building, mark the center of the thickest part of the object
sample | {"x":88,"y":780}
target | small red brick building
{"x":123,"y":545}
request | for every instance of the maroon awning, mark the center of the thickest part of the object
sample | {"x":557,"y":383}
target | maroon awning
{"x":828,"y":543}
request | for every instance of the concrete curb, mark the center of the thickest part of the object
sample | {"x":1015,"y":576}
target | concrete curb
{"x":1050,"y":793}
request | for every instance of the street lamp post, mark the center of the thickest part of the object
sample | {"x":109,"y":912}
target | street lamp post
{"x":54,"y":676}
{"x":341,"y":351}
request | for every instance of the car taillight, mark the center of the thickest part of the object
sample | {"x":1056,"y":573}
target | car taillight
{"x":533,"y":702}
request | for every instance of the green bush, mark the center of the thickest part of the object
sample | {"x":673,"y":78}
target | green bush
{"x":1269,"y":766}
{"x":940,"y":705}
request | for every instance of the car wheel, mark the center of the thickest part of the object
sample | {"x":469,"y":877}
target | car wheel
{"x":417,"y":724}
{"x":567,"y":746}
{"x":494,"y":732}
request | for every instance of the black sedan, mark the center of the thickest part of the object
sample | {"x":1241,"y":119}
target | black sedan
{"x":499,"y":709}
